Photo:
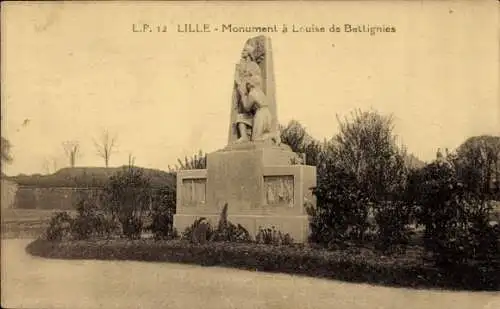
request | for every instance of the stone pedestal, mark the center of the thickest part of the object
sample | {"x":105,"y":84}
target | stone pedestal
{"x":257,"y":181}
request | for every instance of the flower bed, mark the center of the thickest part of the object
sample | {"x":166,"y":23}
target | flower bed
{"x":354,"y":264}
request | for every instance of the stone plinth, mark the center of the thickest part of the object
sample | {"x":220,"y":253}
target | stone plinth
{"x":257,"y":181}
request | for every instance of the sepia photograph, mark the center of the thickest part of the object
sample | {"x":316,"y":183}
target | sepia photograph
{"x":250,"y":154}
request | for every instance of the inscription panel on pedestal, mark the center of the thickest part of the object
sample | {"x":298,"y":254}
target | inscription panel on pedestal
{"x":279,"y":190}
{"x":194,"y":191}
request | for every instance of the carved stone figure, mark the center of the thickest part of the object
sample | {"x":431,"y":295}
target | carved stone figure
{"x":253,"y":117}
{"x":246,"y":69}
{"x":254,"y":101}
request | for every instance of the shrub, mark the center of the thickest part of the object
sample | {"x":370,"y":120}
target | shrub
{"x":227,"y":231}
{"x":456,"y":220}
{"x":163,"y":211}
{"x":392,"y":220}
{"x":91,"y":220}
{"x":59,"y":227}
{"x":360,"y":173}
{"x":199,"y":232}
{"x":271,"y":236}
{"x":128,"y":198}
{"x":162,"y":224}
{"x":132,"y":227}
{"x":342,"y":207}
{"x":232,"y":233}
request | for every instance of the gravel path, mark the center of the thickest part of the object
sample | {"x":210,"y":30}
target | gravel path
{"x":30,"y":282}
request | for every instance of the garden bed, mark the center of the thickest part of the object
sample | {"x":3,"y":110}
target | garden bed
{"x":353,"y":264}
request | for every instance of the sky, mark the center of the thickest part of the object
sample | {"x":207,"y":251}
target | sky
{"x":72,"y":70}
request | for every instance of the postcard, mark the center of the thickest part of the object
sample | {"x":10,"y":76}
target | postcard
{"x":250,"y":154}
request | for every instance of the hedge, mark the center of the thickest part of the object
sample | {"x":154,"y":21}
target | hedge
{"x":354,"y":265}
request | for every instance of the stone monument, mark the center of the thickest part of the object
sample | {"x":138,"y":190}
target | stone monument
{"x":254,"y":173}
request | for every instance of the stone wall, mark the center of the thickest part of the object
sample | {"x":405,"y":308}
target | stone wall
{"x":63,"y":198}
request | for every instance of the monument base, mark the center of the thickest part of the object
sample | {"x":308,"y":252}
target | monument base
{"x":257,"y":182}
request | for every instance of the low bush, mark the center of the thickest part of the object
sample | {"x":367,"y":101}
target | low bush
{"x":59,"y":227}
{"x":227,"y":231}
{"x":360,"y":265}
{"x":232,"y":233}
{"x":92,"y":221}
{"x":199,"y":232}
{"x":132,"y":227}
{"x":162,"y":225}
{"x":272,"y":236}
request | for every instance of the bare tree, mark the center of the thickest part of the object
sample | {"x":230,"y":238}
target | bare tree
{"x":105,"y":147}
{"x":50,"y":165}
{"x":72,"y":151}
{"x":131,"y":159}
{"x":46,"y":166}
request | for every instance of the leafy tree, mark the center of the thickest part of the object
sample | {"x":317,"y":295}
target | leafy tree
{"x":456,"y":218}
{"x":127,"y":196}
{"x":361,"y":174}
{"x":367,"y":148}
{"x":478,"y":163}
{"x":341,"y":212}
{"x":294,"y":134}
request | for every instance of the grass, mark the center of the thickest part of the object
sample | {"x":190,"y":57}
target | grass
{"x":355,"y":264}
